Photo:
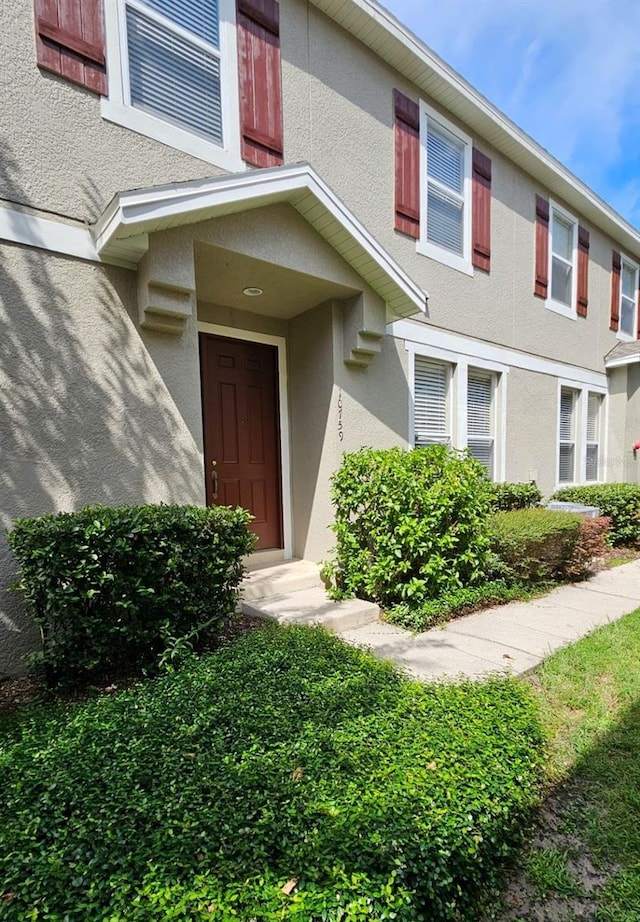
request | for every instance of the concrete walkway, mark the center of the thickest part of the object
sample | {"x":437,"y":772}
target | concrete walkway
{"x":511,"y":638}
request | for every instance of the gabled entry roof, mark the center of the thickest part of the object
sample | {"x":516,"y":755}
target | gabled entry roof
{"x":121,"y":232}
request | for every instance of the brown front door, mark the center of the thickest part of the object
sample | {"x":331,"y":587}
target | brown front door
{"x":242,"y":431}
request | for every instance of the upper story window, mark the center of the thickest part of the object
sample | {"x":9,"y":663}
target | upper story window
{"x":445,"y":191}
{"x":628,"y":300}
{"x":173,"y":74}
{"x":563,"y":260}
{"x":173,"y":62}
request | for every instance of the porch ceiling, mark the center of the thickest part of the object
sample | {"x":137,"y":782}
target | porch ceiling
{"x":122,"y":230}
{"x":221,"y":276}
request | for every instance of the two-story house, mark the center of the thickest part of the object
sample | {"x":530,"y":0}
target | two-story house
{"x":240,"y":238}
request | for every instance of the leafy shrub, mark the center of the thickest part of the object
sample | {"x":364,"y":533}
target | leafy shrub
{"x":503,"y":497}
{"x":285,"y":758}
{"x":536,"y":544}
{"x":115,"y":587}
{"x":459,"y":602}
{"x":618,"y":501}
{"x":592,"y":543}
{"x":409,"y":524}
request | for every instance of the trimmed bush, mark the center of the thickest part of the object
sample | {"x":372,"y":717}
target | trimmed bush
{"x":459,"y":602}
{"x":410,"y":525}
{"x":284,"y":777}
{"x":536,"y":544}
{"x":503,"y":497}
{"x":122,"y":587}
{"x":618,"y":501}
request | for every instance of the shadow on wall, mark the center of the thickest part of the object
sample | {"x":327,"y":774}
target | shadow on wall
{"x":85,"y":413}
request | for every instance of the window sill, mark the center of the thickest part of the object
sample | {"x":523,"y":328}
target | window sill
{"x":151,"y":127}
{"x":625,"y":337}
{"x":558,"y":308}
{"x":452,"y":260}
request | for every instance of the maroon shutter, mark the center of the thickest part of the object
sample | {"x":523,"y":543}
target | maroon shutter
{"x":70,"y":41}
{"x":260,"y":82}
{"x":616,"y":266}
{"x":407,"y":146}
{"x":481,"y":257}
{"x":542,"y":247}
{"x":583,"y":272}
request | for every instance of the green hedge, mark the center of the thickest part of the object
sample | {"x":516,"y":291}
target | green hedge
{"x":453,"y":604}
{"x":127,"y":586}
{"x":409,"y":524}
{"x":287,"y":757}
{"x":504,"y":497}
{"x":535,"y":545}
{"x":618,"y":501}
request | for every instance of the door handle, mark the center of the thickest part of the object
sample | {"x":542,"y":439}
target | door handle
{"x":214,"y":480}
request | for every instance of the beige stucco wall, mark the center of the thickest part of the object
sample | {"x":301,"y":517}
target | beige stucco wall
{"x":92,"y":409}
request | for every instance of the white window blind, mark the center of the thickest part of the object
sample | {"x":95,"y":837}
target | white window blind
{"x":174,"y":63}
{"x":431,"y":402}
{"x":628,"y":299}
{"x":445,"y":188}
{"x":566,"y":464}
{"x":562,"y":258}
{"x":480,"y":430}
{"x":594,"y":427}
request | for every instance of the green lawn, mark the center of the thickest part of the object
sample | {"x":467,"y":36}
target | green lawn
{"x":589,"y":697}
{"x":286,"y":776}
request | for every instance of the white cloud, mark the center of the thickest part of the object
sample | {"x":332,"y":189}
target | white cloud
{"x":566,"y":71}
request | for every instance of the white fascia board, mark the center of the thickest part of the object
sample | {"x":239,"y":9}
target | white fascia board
{"x":422,"y":334}
{"x":624,"y":360}
{"x":131,"y":213}
{"x":379,"y":26}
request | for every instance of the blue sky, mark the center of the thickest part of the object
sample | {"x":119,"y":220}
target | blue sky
{"x":565,"y":71}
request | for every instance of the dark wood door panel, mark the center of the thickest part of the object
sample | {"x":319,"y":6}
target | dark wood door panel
{"x":242,"y":430}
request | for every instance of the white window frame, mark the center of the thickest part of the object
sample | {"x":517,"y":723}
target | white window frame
{"x":628,"y":337}
{"x":460,"y":262}
{"x":598,"y":439}
{"x":492,"y":414}
{"x":558,"y":307}
{"x":117,"y":107}
{"x":459,"y":364}
{"x":580,"y":433}
{"x":449,"y":416}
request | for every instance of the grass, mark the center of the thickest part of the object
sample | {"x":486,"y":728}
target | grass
{"x":286,"y":776}
{"x":589,"y":699}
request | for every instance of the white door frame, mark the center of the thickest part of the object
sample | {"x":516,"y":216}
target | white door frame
{"x":280,"y":343}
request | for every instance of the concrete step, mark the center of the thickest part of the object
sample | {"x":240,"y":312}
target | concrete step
{"x":279,"y":578}
{"x":311,"y":606}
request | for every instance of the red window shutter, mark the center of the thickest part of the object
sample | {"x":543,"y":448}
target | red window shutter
{"x":407,"y":155}
{"x":481,"y":222}
{"x":616,"y":267}
{"x":583,"y":272}
{"x":70,"y":41}
{"x":260,"y":82}
{"x":542,"y":247}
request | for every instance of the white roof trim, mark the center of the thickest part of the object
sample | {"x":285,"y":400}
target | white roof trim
{"x":633,"y":359}
{"x":121,"y":232}
{"x":377,"y":28}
